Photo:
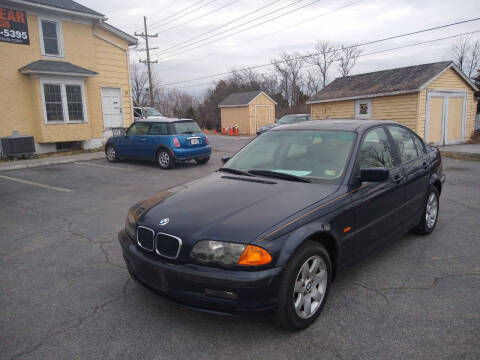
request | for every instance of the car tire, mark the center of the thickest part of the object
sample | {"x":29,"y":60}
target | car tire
{"x":165,"y":159}
{"x":111,"y":153}
{"x":430,"y":212}
{"x":202,"y":161}
{"x":301,"y":285}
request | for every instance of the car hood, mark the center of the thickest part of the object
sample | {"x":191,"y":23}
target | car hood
{"x":228,"y":207}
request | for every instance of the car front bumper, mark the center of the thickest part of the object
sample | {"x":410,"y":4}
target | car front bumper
{"x":193,"y":153}
{"x":201,"y":287}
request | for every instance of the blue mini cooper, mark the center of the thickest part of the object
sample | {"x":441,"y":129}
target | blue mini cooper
{"x":165,"y":141}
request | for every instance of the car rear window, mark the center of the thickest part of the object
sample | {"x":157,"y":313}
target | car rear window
{"x":186,"y":127}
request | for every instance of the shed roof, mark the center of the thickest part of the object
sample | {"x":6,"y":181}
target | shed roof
{"x":382,"y":83}
{"x":55,"y":68}
{"x":242,"y":98}
{"x":68,"y":5}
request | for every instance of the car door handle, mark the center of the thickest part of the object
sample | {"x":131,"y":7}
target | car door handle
{"x":398,"y":179}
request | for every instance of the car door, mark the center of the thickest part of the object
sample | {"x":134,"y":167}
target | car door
{"x":158,"y":135}
{"x":134,"y":144}
{"x":416,"y":167}
{"x":377,"y":205}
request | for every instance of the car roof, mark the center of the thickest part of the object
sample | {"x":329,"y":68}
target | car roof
{"x":295,"y":115}
{"x":356,"y":125}
{"x":164,"y":119}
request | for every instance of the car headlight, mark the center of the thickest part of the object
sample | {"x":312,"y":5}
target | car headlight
{"x":131,"y":226}
{"x":225,"y":253}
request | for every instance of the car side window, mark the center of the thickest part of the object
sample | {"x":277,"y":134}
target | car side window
{"x":419,"y":145}
{"x":137,"y":112}
{"x":404,"y":141}
{"x":159,"y":129}
{"x":375,"y":150}
{"x":138,"y":129}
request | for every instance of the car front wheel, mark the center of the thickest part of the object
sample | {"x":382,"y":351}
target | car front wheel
{"x":111,"y":153}
{"x":430,"y":212}
{"x":304,"y":287}
{"x":165,"y":160}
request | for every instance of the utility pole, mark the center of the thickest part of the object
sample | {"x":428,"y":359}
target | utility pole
{"x":148,"y":62}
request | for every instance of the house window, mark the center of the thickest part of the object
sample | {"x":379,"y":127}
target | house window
{"x":51,"y":38}
{"x":363,"y":108}
{"x":63,"y":102}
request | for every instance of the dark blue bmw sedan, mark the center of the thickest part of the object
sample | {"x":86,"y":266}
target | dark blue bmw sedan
{"x":270,"y":229}
{"x":163,"y":140}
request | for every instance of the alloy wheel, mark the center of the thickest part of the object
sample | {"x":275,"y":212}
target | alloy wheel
{"x":431,"y":211}
{"x":310,"y":287}
{"x":111,"y":153}
{"x":164,"y":159}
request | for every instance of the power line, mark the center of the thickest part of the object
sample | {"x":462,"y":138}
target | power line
{"x":361,"y":55}
{"x":172,"y":15}
{"x":266,"y":35}
{"x":176,"y":52}
{"x":183,"y":15}
{"x":226,"y":24}
{"x":353,"y":46}
{"x":198,"y":17}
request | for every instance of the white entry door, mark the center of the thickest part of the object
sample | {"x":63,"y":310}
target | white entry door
{"x":112,"y":107}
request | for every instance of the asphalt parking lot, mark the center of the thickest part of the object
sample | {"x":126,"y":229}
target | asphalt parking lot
{"x":65,"y":292}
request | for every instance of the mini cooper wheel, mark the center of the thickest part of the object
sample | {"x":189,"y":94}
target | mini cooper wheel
{"x":304,"y":287}
{"x":430,"y":212}
{"x":111,"y":153}
{"x":165,"y":160}
{"x":202,"y":161}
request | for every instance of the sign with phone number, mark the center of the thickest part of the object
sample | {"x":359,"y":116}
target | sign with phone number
{"x":14,"y":26}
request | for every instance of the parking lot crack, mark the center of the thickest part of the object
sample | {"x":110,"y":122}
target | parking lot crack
{"x":107,"y":258}
{"x":464,"y":205}
{"x":79,"y":322}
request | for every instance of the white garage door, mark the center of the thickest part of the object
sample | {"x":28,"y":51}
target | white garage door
{"x":112,"y":107}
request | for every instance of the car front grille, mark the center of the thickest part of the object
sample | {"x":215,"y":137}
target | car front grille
{"x":163,"y":244}
{"x":168,"y":245}
{"x":145,"y":238}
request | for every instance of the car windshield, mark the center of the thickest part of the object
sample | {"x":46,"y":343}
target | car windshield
{"x":152,"y":112}
{"x":186,"y":127}
{"x":287,"y":119}
{"x":315,"y":155}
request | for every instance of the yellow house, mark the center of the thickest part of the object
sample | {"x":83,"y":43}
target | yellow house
{"x":435,"y":100}
{"x":64,"y":74}
{"x":249,"y":110}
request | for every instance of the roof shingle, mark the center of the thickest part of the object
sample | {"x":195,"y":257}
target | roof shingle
{"x":58,"y":67}
{"x":66,"y":5}
{"x":240,"y":98}
{"x":409,"y":78}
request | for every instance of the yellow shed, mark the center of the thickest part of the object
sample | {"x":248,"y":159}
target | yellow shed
{"x":435,"y":100}
{"x":249,"y":110}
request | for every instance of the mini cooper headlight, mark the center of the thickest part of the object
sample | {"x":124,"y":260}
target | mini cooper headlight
{"x":131,"y":226}
{"x":225,"y":253}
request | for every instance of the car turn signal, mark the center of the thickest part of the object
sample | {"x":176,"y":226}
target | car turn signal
{"x":254,"y":255}
{"x":176,"y":142}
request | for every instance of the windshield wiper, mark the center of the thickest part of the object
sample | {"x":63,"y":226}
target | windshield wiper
{"x":235,"y":171}
{"x":279,"y":175}
{"x":187,"y":132}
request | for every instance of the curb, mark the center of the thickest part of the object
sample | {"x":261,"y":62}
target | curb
{"x":24,"y":164}
{"x":460,"y":155}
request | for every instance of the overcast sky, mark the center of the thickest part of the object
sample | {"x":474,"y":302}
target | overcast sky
{"x":342,"y":21}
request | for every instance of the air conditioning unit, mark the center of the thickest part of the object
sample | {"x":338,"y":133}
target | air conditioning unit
{"x":17,"y":145}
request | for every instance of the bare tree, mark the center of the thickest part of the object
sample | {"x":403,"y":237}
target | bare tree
{"x":312,"y":82}
{"x":466,"y":54}
{"x":139,"y":82}
{"x":347,"y":58}
{"x":289,"y":67}
{"x":325,"y":54}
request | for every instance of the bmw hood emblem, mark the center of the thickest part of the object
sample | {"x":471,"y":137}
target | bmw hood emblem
{"x":164,"y":221}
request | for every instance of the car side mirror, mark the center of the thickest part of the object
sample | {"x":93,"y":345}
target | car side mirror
{"x":225,"y":159}
{"x":378,"y":174}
